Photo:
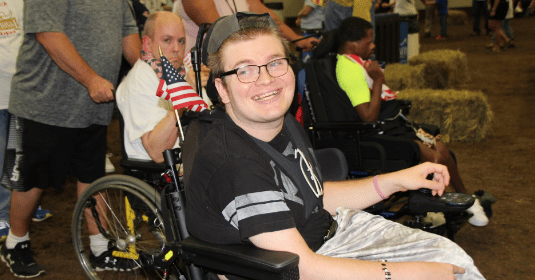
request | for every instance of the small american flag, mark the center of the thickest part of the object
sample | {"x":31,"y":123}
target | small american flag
{"x":174,"y":87}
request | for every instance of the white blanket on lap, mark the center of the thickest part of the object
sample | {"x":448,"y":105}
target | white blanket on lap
{"x":361,"y":235}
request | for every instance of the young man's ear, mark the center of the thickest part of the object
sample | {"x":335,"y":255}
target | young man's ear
{"x":223,"y":93}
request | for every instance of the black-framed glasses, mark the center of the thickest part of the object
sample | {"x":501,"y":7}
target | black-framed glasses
{"x":250,"y":73}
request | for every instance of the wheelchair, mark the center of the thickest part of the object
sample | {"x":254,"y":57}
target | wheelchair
{"x":146,"y":224}
{"x":332,"y":122}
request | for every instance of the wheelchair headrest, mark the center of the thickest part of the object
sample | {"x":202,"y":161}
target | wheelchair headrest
{"x":328,"y":44}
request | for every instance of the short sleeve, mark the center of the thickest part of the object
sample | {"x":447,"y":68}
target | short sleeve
{"x":352,"y":80}
{"x":130,"y":26}
{"x":45,"y":15}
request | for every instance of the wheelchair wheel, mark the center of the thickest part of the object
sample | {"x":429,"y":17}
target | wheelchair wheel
{"x":126,"y":211}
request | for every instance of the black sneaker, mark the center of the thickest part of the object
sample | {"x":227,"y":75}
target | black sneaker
{"x":20,"y":261}
{"x":107,"y":261}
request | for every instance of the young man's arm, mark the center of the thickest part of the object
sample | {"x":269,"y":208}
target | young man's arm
{"x":64,"y":54}
{"x":370,"y":111}
{"x":351,"y":78}
{"x":315,"y":266}
{"x":361,"y":193}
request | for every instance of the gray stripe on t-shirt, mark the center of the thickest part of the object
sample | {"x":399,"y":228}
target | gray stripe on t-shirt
{"x":253,"y":204}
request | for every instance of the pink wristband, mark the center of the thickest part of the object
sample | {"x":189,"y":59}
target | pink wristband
{"x":377,"y":188}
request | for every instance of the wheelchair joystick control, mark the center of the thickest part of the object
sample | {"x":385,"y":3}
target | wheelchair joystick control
{"x":426,"y":191}
{"x":423,"y":201}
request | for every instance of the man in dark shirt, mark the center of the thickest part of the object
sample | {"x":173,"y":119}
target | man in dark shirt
{"x":255,"y":178}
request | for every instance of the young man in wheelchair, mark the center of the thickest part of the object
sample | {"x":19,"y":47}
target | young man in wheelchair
{"x":363,"y":82}
{"x":255,"y":178}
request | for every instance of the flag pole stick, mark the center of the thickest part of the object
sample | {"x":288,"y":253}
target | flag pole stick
{"x":181,"y":136}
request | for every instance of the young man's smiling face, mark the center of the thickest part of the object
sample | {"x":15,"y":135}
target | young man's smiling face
{"x":264,"y":101}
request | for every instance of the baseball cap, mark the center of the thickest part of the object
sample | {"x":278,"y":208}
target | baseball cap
{"x":225,"y":26}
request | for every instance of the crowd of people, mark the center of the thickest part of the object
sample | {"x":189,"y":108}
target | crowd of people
{"x":66,"y":55}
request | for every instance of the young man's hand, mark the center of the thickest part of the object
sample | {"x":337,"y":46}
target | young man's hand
{"x":374,"y":71}
{"x":416,"y":178}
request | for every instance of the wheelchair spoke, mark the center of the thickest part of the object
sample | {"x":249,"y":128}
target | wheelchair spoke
{"x":130,"y":216}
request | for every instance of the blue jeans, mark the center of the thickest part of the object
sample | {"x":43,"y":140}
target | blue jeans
{"x":479,"y":8}
{"x":335,"y":13}
{"x":443,"y":19}
{"x":506,"y":27}
{"x":5,"y":194}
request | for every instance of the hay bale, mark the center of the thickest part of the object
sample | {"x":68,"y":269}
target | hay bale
{"x":401,"y":76}
{"x":444,"y":68}
{"x":461,"y":115}
{"x":457,"y":17}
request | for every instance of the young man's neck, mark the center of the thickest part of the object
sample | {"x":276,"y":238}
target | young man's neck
{"x":261,"y":131}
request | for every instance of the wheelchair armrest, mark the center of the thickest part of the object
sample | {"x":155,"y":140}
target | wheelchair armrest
{"x":147,"y":165}
{"x":244,"y":260}
{"x":345,"y":126}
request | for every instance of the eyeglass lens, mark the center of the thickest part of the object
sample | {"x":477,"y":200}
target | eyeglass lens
{"x":250,"y":73}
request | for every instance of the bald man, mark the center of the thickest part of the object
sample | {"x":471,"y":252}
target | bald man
{"x":150,"y":122}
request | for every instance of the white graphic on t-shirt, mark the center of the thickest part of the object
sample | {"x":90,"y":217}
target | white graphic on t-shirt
{"x":9,"y":25}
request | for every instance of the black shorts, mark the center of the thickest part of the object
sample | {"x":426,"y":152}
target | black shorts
{"x":41,"y":156}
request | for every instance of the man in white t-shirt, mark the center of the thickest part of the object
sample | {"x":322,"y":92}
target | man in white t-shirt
{"x":11,"y":35}
{"x":150,"y":121}
{"x":195,"y":12}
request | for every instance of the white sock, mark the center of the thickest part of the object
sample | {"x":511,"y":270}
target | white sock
{"x":12,"y":240}
{"x":98,"y":244}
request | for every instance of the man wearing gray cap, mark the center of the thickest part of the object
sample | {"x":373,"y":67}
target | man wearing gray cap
{"x":255,"y":178}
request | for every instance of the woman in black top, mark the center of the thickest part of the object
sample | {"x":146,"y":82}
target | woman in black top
{"x":497,"y":14}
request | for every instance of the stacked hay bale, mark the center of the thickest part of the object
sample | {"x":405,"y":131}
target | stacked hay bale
{"x":439,"y":69}
{"x":451,"y":64}
{"x":461,"y":115}
{"x":429,"y":81}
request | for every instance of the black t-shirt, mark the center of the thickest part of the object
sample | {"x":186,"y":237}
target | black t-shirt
{"x":235,"y":190}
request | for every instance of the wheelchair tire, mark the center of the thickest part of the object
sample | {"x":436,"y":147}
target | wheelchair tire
{"x":134,"y":227}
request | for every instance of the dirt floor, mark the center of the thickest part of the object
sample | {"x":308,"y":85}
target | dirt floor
{"x":501,"y":165}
